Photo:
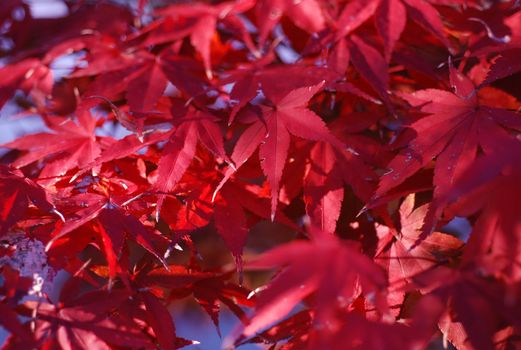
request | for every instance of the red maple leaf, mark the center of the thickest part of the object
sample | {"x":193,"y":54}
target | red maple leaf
{"x":304,"y":265}
{"x":16,"y":193}
{"x":110,"y":224}
{"x":88,"y":321}
{"x":306,"y":14}
{"x":452,"y":132}
{"x":72,"y":145}
{"x":490,"y":188}
{"x":466,"y":291}
{"x":271,"y":131}
{"x":193,"y":126}
{"x":200,"y":24}
{"x":330,"y":106}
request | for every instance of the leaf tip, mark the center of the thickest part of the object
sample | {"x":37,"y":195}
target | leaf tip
{"x":57,"y":213}
{"x":352,"y":151}
{"x":362,"y":211}
{"x":209,"y":74}
{"x":231,"y":164}
{"x":48,"y":246}
{"x":256,"y":291}
{"x":75,"y":176}
{"x":214,"y":194}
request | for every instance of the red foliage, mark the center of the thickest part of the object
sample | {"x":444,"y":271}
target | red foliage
{"x":344,"y":137}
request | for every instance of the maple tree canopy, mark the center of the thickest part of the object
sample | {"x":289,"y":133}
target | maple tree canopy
{"x":340,"y":174}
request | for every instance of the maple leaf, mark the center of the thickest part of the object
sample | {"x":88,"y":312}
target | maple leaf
{"x":504,"y":66}
{"x":13,"y":76}
{"x":16,"y":192}
{"x":202,"y":21}
{"x":294,"y":327}
{"x":88,"y":322}
{"x":413,"y":260}
{"x":9,"y":321}
{"x":329,"y":169}
{"x":209,"y":288}
{"x":466,"y":291}
{"x":306,"y":14}
{"x":141,"y":76}
{"x":348,"y":47}
{"x":177,"y":276}
{"x":275,"y":82}
{"x":494,"y":241}
{"x":194,"y":127}
{"x":230,"y":221}
{"x":193,"y":209}
{"x":147,"y":87}
{"x":304,"y":265}
{"x":272,"y":132}
{"x":129,"y":145}
{"x":112,"y":225}
{"x":452,"y":131}
{"x":366,"y":60}
{"x":72,"y":145}
{"x":232,"y":204}
{"x":403,"y":258}
{"x":160,"y":320}
{"x":210,"y":292}
{"x":390,"y":18}
{"x":323,"y":188}
{"x":353,"y":331}
{"x":172,"y":74}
